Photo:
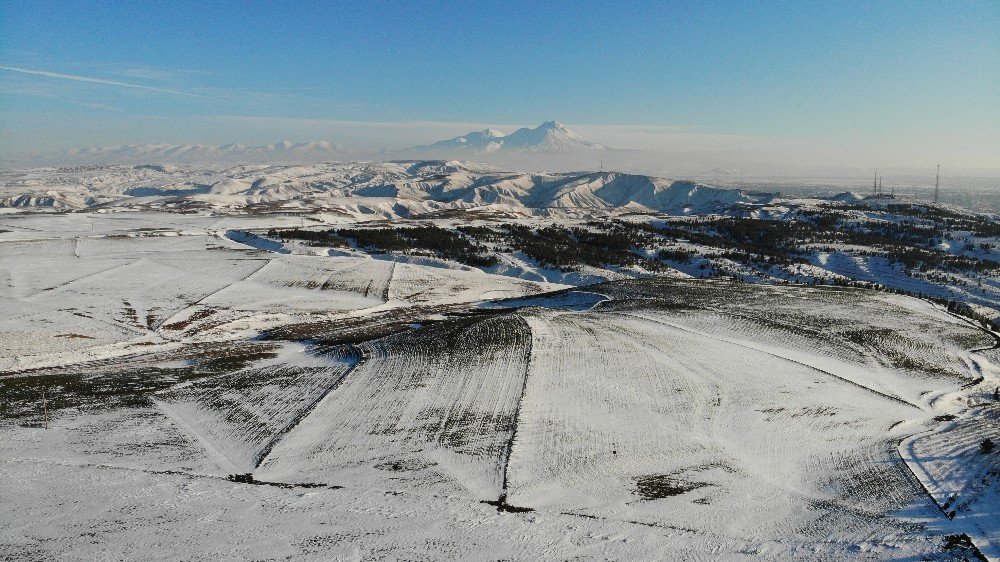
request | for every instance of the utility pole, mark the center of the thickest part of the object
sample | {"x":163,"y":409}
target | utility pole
{"x":937,"y":185}
{"x":875,"y":184}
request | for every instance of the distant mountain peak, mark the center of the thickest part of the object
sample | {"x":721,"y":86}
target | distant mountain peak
{"x":550,"y":136}
{"x":199,"y":153}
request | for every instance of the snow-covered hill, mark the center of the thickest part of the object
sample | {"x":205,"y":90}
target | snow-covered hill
{"x":171,"y":387}
{"x":400,"y":188}
{"x":696,"y":229}
{"x":273,"y":348}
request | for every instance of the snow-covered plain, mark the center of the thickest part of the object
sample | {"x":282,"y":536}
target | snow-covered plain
{"x":154,"y":352}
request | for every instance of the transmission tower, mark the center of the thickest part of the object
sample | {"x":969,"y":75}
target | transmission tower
{"x":937,"y":185}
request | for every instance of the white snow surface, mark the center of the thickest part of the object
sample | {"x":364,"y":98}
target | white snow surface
{"x":360,"y":190}
{"x":155,"y":344}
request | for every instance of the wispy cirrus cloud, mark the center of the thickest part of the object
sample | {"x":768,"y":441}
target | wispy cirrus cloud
{"x":157,"y":74}
{"x":48,"y":92}
{"x":91,"y":80}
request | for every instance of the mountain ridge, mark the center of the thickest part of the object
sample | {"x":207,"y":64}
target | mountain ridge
{"x":549,"y":137}
{"x":200,"y":153}
{"x":412,"y":186}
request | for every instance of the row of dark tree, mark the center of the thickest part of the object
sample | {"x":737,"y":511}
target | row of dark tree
{"x":758,"y":242}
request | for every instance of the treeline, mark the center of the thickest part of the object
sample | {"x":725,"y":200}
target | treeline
{"x":431,"y":240}
{"x":963,"y":309}
{"x":760,"y":243}
{"x":925,"y":260}
{"x":569,"y":248}
{"x":440,"y":242}
{"x":781,"y":242}
{"x":311,"y":237}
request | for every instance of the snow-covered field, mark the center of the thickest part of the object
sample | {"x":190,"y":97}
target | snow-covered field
{"x":173,"y":386}
{"x":241,"y":199}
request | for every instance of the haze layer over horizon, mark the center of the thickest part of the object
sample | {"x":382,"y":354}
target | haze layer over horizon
{"x":903,"y":85}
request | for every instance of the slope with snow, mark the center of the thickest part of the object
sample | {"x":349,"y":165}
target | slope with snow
{"x":359,"y":190}
{"x":664,"y":419}
{"x":178,"y":381}
{"x":87,"y":294}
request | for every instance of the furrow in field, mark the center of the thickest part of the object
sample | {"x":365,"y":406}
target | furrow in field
{"x":627,"y":418}
{"x":432,"y":405}
{"x":792,"y":357}
{"x":243,"y":414}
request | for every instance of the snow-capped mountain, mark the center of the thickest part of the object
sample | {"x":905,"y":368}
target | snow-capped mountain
{"x":490,"y":140}
{"x":199,"y":153}
{"x":543,"y":146}
{"x":549,"y":137}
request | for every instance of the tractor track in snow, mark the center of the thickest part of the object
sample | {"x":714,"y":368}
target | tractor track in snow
{"x":104,"y":466}
{"x":130,"y":261}
{"x":265,"y":451}
{"x":166,"y":320}
{"x":914,"y":464}
{"x":166,"y":472}
{"x":779,"y":356}
{"x":222,"y":460}
{"x":517,"y":409}
{"x":388,"y":283}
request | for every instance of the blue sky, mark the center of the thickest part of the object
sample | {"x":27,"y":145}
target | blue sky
{"x":887,"y":82}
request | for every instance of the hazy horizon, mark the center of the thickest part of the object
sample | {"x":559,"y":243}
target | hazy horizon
{"x":853,"y":86}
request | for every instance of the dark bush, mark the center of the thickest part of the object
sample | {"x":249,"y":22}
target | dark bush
{"x":440,"y":242}
{"x":312,"y":237}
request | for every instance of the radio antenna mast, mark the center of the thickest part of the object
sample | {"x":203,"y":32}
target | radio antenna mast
{"x":937,"y":185}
